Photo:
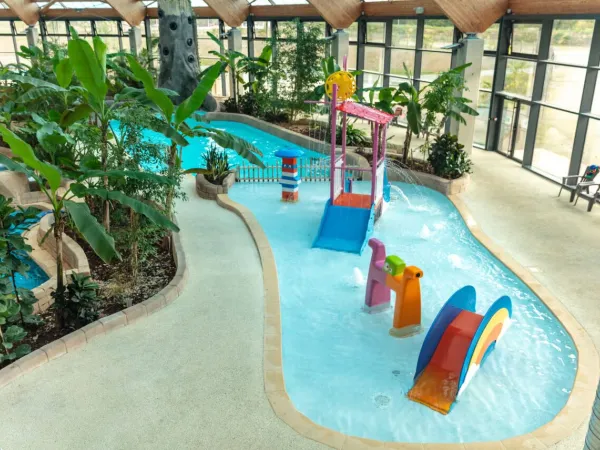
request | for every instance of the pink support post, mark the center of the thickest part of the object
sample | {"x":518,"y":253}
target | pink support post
{"x":374,"y":163}
{"x":384,"y":143}
{"x":345,"y":62}
{"x":344,"y":126}
{"x":333,"y":136}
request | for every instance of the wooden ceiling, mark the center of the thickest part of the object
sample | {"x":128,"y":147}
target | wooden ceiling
{"x":470,"y":16}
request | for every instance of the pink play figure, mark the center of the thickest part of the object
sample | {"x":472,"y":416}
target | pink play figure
{"x":377,"y":297}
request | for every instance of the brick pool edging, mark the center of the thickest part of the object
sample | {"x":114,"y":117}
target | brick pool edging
{"x":79,"y":338}
{"x":575,"y":412}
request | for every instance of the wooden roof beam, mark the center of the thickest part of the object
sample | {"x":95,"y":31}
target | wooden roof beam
{"x":473,"y":16}
{"x":232,"y":12}
{"x":554,"y":7}
{"x":26,"y":10}
{"x":132,"y":11}
{"x":340,"y":14}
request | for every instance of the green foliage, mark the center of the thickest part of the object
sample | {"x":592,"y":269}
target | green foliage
{"x":296,"y":71}
{"x":355,"y":137}
{"x":448,"y":157}
{"x":217,"y":165}
{"x":79,"y":305}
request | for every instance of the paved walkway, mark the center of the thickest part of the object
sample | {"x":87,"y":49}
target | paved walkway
{"x":190,"y":376}
{"x":187,"y":377}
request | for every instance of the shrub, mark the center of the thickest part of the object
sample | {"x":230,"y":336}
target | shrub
{"x":79,"y":305}
{"x":217,"y":165}
{"x":231,"y":106}
{"x":355,"y":137}
{"x":448,"y":158}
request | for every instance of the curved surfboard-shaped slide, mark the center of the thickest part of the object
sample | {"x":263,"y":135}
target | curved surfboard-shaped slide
{"x":456,"y":345}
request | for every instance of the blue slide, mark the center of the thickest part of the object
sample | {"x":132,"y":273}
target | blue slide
{"x":345,"y":229}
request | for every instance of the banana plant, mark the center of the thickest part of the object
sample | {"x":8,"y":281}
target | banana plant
{"x":174,"y":127}
{"x":67,"y":201}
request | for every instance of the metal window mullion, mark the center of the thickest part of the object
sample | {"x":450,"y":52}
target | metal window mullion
{"x":538,"y":91}
{"x":587,"y":100}
{"x":148,"y":33}
{"x":120,"y":31}
{"x":250,"y":34}
{"x":13,"y":32}
{"x":418,"y":53}
{"x":496,"y":101}
{"x":93,"y":27}
{"x":387,"y":53}
{"x":44,"y":35}
{"x":360,"y":51}
{"x":456,"y":37}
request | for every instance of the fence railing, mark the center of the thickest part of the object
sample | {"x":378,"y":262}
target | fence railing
{"x":310,"y":171}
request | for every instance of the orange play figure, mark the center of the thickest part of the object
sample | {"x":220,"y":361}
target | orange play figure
{"x":406,"y":283}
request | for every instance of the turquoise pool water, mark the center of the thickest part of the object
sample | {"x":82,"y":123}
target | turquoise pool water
{"x":345,"y":372}
{"x":267,"y":143}
{"x":34,"y":277}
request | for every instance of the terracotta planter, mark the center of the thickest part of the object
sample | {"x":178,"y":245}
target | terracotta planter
{"x":209,"y":191}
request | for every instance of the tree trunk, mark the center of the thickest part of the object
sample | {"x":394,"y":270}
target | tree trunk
{"x":179,"y":68}
{"x":104,"y":156}
{"x":59,"y":228}
{"x":406,"y":148}
{"x":172,"y":172}
{"x":134,"y":262}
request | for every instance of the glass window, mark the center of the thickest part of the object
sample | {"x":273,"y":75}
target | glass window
{"x":481,"y":121}
{"x":369,"y":79}
{"x":82,"y":27}
{"x":487,"y":72}
{"x":374,"y":59}
{"x":7,"y":50}
{"x":58,"y":40}
{"x":352,"y":57}
{"x":353,"y":31}
{"x":437,"y":33}
{"x":563,"y":86}
{"x":404,"y":33}
{"x":203,"y":27}
{"x":5,"y":27}
{"x":112,"y":43}
{"x":526,"y":38}
{"x":596,"y":102}
{"x":106,"y":27}
{"x":319,"y":25}
{"x":56,"y":27}
{"x":286,"y":30}
{"x":433,"y":63}
{"x":262,"y":29}
{"x":376,"y":32}
{"x":519,"y":77}
{"x":490,"y":37}
{"x":20,"y":27}
{"x":205,"y":46}
{"x":399,"y":58}
{"x":554,"y":141}
{"x":591,"y":152}
{"x":571,"y":41}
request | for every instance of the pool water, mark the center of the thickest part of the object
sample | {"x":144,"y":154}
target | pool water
{"x":267,"y":143}
{"x":34,"y":277}
{"x":344,"y":371}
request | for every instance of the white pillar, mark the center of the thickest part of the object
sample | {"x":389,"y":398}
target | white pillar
{"x":32,"y":36}
{"x":340,"y":46}
{"x":234,"y":43}
{"x":135,"y":40}
{"x":470,"y":52}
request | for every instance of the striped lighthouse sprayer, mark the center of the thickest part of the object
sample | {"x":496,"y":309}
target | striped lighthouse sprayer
{"x":290,"y":178}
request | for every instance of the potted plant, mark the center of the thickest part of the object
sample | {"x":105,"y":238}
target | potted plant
{"x":217,"y":177}
{"x":448,"y":158}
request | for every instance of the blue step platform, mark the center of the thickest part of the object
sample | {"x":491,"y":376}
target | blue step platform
{"x":345,"y":229}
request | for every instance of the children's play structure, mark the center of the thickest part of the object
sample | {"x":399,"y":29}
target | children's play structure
{"x":290,"y":178}
{"x":349,"y":217}
{"x":457,"y":344}
{"x":387,"y":273}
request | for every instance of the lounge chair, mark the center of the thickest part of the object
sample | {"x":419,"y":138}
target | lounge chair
{"x":591,"y":197}
{"x":582,"y":182}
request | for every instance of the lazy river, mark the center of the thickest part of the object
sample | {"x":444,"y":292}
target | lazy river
{"x":344,"y":371}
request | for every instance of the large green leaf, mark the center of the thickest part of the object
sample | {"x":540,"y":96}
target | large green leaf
{"x":64,"y":72}
{"x":195,"y":101}
{"x":25,"y":152}
{"x":158,"y":97}
{"x":69,"y":117}
{"x":227,"y":140}
{"x":29,"y":80}
{"x":141,"y":176}
{"x":87,"y":68}
{"x":139,"y":207}
{"x":37,"y":93}
{"x":94,"y":233}
{"x":169,"y":132}
{"x":15,"y":166}
{"x":100,"y":49}
{"x":413,"y":117}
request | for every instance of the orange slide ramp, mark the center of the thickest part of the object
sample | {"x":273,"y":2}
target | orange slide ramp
{"x":437,"y":386}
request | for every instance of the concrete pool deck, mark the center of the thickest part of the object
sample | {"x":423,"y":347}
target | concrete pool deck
{"x":191,"y":376}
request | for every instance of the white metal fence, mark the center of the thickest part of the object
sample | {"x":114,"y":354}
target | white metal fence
{"x":309,"y":171}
